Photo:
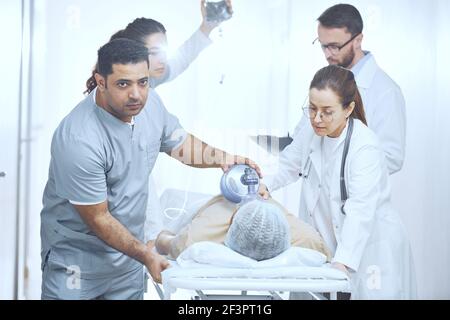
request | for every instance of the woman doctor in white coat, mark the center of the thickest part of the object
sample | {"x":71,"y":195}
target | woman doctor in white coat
{"x":354,"y":214}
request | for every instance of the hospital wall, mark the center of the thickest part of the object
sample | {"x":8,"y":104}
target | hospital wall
{"x":253,"y":80}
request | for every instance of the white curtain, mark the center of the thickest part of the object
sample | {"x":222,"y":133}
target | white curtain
{"x":10,"y":33}
{"x":253,"y":80}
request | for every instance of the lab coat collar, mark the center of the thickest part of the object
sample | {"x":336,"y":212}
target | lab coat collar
{"x":316,"y":150}
{"x":366,"y":74}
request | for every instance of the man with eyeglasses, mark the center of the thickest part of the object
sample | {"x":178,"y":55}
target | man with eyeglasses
{"x":340,"y":34}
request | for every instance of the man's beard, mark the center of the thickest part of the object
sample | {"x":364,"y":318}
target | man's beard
{"x":348,"y":59}
{"x":346,"y":62}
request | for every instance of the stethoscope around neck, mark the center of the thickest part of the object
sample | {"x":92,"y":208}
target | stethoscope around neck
{"x":344,"y":195}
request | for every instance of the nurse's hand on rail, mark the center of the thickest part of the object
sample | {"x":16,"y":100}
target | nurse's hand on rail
{"x":155,"y":265}
{"x":341,"y":267}
{"x":233,"y":160}
{"x":264,"y":192}
{"x":208,"y":26}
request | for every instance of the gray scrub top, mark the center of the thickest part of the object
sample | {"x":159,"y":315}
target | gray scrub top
{"x":96,"y":157}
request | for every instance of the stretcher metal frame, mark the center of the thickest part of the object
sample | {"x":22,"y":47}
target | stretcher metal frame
{"x":314,"y":286}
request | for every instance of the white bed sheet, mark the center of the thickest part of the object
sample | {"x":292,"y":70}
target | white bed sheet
{"x":209,"y":254}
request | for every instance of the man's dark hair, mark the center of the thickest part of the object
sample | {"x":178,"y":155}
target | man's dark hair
{"x":120,"y":51}
{"x":343,"y":16}
{"x":140,"y":29}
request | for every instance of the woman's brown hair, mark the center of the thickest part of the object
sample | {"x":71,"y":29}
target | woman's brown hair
{"x":342,"y":82}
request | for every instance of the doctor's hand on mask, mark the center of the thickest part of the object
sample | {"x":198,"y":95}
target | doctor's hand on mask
{"x":155,"y":264}
{"x":264,"y":192}
{"x":207,"y":26}
{"x":231,"y":160}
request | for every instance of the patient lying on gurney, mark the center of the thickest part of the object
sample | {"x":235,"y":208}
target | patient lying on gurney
{"x":260,"y":230}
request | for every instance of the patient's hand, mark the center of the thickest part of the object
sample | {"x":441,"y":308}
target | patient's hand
{"x":155,"y":265}
{"x":263,"y":191}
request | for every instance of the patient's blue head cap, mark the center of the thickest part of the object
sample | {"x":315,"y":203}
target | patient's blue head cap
{"x":259,"y":231}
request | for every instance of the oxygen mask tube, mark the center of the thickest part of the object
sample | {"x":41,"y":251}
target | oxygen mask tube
{"x":176,"y":213}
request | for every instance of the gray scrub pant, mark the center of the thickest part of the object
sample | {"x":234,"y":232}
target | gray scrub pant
{"x":59,"y":284}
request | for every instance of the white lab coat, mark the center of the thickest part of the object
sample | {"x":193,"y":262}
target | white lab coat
{"x":371,"y":239}
{"x":385,"y":110}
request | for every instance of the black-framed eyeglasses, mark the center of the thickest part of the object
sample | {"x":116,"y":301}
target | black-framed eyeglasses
{"x":334,"y":49}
